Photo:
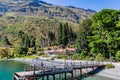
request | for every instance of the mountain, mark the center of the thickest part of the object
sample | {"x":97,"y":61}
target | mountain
{"x":43,"y":9}
{"x":36,"y":18}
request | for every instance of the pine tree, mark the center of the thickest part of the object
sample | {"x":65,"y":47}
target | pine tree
{"x":65,"y":35}
{"x":51,"y":37}
{"x":81,"y":42}
{"x":60,"y":34}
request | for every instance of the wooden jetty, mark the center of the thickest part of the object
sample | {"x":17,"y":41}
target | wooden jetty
{"x":52,"y":69}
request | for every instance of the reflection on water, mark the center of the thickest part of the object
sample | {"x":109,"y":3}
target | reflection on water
{"x":7,"y":68}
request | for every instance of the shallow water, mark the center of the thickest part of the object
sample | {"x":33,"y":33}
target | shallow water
{"x":7,"y":69}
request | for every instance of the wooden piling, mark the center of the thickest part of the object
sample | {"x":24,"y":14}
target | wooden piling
{"x":65,"y":76}
{"x":60,"y":76}
{"x":72,"y":75}
{"x":93,"y":68}
{"x":86,"y":71}
{"x":80,"y":73}
{"x":53,"y":77}
{"x":42,"y":77}
{"x":47,"y":77}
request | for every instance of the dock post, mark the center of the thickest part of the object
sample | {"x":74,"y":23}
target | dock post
{"x":42,"y":77}
{"x":60,"y":76}
{"x":72,"y":75}
{"x":86,"y":71}
{"x":65,"y":77}
{"x":93,"y":68}
{"x":34,"y":70}
{"x":13,"y":78}
{"x":53,"y":77}
{"x":47,"y":77}
{"x":81,"y":73}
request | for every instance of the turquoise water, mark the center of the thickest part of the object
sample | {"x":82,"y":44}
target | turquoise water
{"x":7,"y":68}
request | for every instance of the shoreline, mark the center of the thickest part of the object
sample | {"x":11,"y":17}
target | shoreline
{"x":113,"y":73}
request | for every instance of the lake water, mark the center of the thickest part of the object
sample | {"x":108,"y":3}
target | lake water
{"x":7,"y":68}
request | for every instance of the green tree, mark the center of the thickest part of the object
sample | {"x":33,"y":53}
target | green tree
{"x":51,"y":37}
{"x":60,"y":34}
{"x":71,"y":35}
{"x":26,"y":40}
{"x":118,"y":56}
{"x":20,"y":51}
{"x":81,"y":41}
{"x":5,"y":41}
{"x":105,"y":38}
{"x":65,"y":35}
{"x":32,"y":42}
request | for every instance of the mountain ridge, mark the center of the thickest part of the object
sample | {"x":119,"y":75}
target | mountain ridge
{"x":41,"y":8}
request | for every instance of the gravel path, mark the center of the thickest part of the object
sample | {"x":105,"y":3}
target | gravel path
{"x":113,"y":73}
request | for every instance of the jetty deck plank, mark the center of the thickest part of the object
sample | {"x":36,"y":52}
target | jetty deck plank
{"x":27,"y":73}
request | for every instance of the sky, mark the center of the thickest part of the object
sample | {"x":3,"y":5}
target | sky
{"x":96,"y":5}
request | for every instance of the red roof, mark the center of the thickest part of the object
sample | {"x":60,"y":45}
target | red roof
{"x":60,"y":50}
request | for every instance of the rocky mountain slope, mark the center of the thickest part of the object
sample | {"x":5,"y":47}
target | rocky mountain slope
{"x":43,"y":9}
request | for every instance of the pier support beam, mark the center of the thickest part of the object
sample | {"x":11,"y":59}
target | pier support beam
{"x":42,"y":77}
{"x":47,"y":77}
{"x":53,"y":77}
{"x":33,"y":70}
{"x":93,"y":68}
{"x":80,"y":73}
{"x":60,"y":76}
{"x":72,"y":75}
{"x":86,"y":71}
{"x":65,"y":76}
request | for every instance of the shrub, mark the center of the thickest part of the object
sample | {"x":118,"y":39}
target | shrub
{"x":4,"y":52}
{"x":48,"y":48}
{"x":31,"y":51}
{"x":31,"y":57}
{"x":100,"y":57}
{"x":51,"y":58}
{"x":40,"y":53}
{"x":38,"y":49}
{"x":83,"y":55}
{"x":59,"y":56}
{"x":20,"y":51}
{"x":45,"y":55}
{"x":108,"y":66}
{"x":90,"y":58}
{"x":118,"y":56}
